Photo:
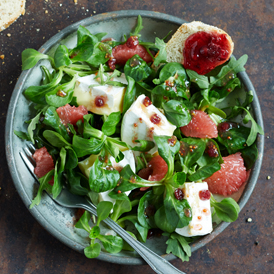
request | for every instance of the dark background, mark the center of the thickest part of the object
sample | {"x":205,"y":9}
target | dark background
{"x":25,"y":247}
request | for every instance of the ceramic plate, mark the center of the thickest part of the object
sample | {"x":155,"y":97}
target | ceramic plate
{"x":58,"y":220}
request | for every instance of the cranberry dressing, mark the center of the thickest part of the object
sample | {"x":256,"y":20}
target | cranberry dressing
{"x":179,"y":194}
{"x":204,"y":194}
{"x":99,"y":101}
{"x":132,"y":42}
{"x":212,"y":150}
{"x":203,"y":51}
{"x":226,"y":126}
{"x":155,"y":119}
{"x":146,"y":102}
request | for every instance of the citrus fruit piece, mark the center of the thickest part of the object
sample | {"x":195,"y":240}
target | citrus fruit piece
{"x":121,"y":53}
{"x":44,"y":163}
{"x":71,"y":114}
{"x":230,"y":177}
{"x":156,"y":170}
{"x":200,"y":126}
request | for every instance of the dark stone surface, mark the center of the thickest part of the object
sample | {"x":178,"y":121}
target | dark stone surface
{"x":25,"y":247}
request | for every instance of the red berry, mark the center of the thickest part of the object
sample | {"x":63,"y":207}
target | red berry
{"x":111,"y":63}
{"x":223,"y":126}
{"x":99,"y":101}
{"x":226,"y":126}
{"x":155,"y":119}
{"x":132,"y":41}
{"x":204,"y":194}
{"x":212,"y":150}
{"x":146,"y":102}
{"x":179,"y":194}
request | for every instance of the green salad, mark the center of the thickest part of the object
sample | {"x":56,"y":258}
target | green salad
{"x":119,"y":130}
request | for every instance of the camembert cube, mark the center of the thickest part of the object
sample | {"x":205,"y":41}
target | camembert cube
{"x":85,"y":167}
{"x":201,"y":222}
{"x":97,"y":98}
{"x":143,"y":121}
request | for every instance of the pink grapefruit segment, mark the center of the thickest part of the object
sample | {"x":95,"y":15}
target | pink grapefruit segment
{"x":230,"y":177}
{"x":44,"y":163}
{"x":156,"y":170}
{"x":71,"y":114}
{"x":159,"y":168}
{"x":200,"y":126}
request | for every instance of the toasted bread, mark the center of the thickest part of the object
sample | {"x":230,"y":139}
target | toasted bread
{"x":10,"y":10}
{"x":176,"y":45}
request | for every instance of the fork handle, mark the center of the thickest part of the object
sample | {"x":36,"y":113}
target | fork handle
{"x":156,"y":262}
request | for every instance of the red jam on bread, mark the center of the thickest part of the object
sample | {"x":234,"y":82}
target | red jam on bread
{"x":203,"y":51}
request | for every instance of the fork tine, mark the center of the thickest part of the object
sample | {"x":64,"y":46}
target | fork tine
{"x":26,"y":156}
{"x":29,"y":149}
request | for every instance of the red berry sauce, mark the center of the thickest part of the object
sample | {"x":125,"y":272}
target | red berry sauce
{"x":179,"y":194}
{"x":226,"y":126}
{"x":155,"y":119}
{"x":204,"y":51}
{"x":99,"y":101}
{"x":204,"y":194}
{"x":111,"y":63}
{"x":212,"y":150}
{"x":146,"y":102}
{"x":132,"y":42}
{"x":172,"y":141}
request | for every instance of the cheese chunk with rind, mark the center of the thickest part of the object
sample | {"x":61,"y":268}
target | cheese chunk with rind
{"x":85,"y":167}
{"x":137,"y":124}
{"x":87,"y":88}
{"x":128,"y":160}
{"x":201,"y":222}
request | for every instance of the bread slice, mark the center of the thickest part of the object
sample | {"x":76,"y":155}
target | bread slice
{"x":175,"y":46}
{"x":10,"y":10}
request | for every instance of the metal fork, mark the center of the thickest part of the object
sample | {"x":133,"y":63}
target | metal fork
{"x":67,"y":199}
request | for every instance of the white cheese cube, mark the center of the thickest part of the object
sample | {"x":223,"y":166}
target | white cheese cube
{"x":110,"y":232}
{"x":112,"y":96}
{"x":128,"y":160}
{"x":201,"y":222}
{"x":86,"y":165}
{"x":143,"y":122}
